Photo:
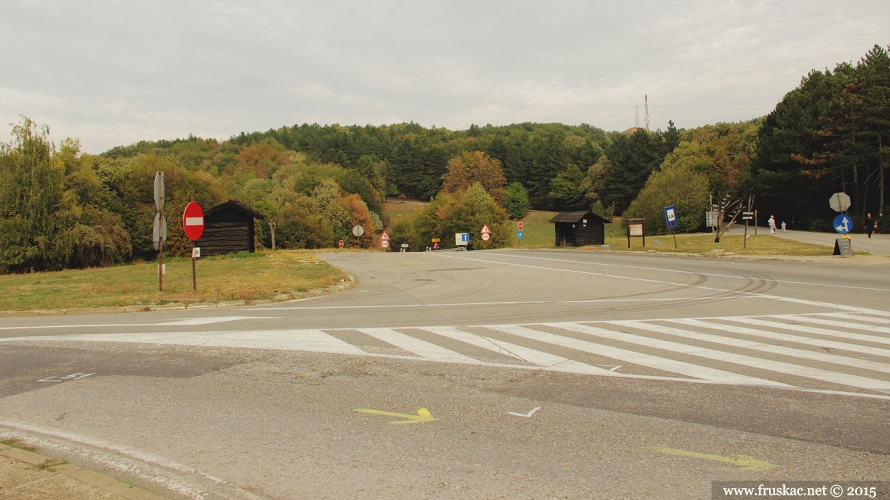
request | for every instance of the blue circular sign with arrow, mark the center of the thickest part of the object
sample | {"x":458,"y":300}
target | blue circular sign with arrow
{"x":843,"y":224}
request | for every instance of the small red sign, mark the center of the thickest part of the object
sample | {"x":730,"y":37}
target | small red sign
{"x":193,"y":221}
{"x":340,"y":244}
{"x":519,"y":226}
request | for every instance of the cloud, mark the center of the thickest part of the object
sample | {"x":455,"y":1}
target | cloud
{"x":115,"y":73}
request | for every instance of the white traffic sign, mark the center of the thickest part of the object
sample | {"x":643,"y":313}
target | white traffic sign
{"x":839,"y":202}
{"x":486,"y":236}
{"x":384,"y":236}
{"x":485,"y":229}
{"x":159,"y":191}
{"x":358,"y":231}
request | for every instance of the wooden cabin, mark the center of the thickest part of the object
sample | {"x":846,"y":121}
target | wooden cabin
{"x":579,"y":228}
{"x":228,"y":228}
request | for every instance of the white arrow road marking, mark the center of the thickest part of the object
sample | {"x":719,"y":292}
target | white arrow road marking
{"x":525,"y":415}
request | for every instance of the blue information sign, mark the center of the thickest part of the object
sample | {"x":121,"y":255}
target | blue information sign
{"x":670,"y":217}
{"x":519,"y":234}
{"x":843,"y":224}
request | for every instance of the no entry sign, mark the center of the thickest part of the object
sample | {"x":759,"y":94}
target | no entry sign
{"x":193,"y":221}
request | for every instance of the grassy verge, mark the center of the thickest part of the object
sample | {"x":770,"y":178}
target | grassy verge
{"x":703,"y":244}
{"x":249,"y":277}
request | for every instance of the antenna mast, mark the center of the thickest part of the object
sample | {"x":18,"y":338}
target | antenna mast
{"x":646,"y":103}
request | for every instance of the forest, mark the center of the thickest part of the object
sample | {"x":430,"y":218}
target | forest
{"x":62,"y":208}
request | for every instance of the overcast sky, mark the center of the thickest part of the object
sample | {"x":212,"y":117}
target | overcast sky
{"x":113,"y":73}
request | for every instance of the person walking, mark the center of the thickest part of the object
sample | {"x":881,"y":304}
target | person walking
{"x":772,"y":224}
{"x":869,"y":225}
{"x":783,"y":227}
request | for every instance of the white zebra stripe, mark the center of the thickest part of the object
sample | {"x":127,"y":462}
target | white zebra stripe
{"x":638,"y":358}
{"x":773,"y":366}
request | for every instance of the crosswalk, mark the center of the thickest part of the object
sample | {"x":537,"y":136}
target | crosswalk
{"x":834,"y":352}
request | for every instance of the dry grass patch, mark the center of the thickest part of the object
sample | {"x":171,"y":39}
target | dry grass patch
{"x":248,"y":277}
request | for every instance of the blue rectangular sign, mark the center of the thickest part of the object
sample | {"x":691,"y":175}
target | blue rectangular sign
{"x":670,"y":217}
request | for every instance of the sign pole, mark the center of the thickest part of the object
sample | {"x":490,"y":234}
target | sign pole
{"x":194,"y":270}
{"x":745,"y":241}
{"x":161,"y":267}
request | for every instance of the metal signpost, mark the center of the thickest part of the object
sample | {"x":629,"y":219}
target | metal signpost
{"x":843,"y":224}
{"x":193,"y":225}
{"x":519,"y":232}
{"x":670,"y":217}
{"x":159,"y":231}
{"x":746,"y":216}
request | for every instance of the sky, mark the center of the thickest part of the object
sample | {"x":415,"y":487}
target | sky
{"x":113,"y":73}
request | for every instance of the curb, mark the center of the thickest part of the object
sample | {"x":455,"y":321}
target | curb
{"x":26,"y":474}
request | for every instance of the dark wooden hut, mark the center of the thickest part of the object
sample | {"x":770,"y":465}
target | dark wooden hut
{"x":579,"y":229}
{"x":228,"y":228}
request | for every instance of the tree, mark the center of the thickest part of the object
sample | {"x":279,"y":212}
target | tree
{"x":516,"y":201}
{"x":566,"y":188}
{"x":675,"y":184}
{"x":475,"y":167}
{"x":633,"y":157}
{"x":34,"y":208}
{"x":464,"y":212}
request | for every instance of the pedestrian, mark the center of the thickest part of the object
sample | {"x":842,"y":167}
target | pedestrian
{"x":869,"y":225}
{"x":783,"y":227}
{"x":772,"y":224}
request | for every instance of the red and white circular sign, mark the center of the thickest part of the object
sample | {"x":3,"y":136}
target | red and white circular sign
{"x":340,"y":244}
{"x":193,"y":221}
{"x":485,"y":236}
{"x":519,"y":226}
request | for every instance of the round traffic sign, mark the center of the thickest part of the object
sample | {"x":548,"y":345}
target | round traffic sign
{"x":843,"y":224}
{"x":384,"y":243}
{"x":358,"y":231}
{"x":340,"y":243}
{"x":485,"y":236}
{"x":193,"y":221}
{"x":519,"y":226}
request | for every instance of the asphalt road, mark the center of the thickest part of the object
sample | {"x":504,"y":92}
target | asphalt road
{"x":519,"y":374}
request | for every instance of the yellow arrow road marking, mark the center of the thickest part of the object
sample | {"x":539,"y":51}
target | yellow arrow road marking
{"x":423,"y":415}
{"x":743,"y":461}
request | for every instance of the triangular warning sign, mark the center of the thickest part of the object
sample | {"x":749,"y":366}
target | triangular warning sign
{"x":485,"y":228}
{"x":384,"y":236}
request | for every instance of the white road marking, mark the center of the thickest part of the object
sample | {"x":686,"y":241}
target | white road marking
{"x":808,"y":329}
{"x":738,"y":359}
{"x":760,"y":346}
{"x":525,"y":415}
{"x":184,"y":322}
{"x":600,"y":334}
{"x":414,"y":345}
{"x":530,"y":355}
{"x":798,"y":339}
{"x":637,"y":358}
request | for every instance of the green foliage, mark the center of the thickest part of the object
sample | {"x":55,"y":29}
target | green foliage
{"x":464,"y":212}
{"x":828,"y":135}
{"x":567,"y":190}
{"x":633,"y":158}
{"x":475,"y":167}
{"x":516,"y":201}
{"x":675,"y":184}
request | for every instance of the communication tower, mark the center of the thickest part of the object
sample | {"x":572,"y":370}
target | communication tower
{"x":646,"y":104}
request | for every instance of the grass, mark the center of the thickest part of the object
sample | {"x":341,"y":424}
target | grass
{"x":262,"y":276}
